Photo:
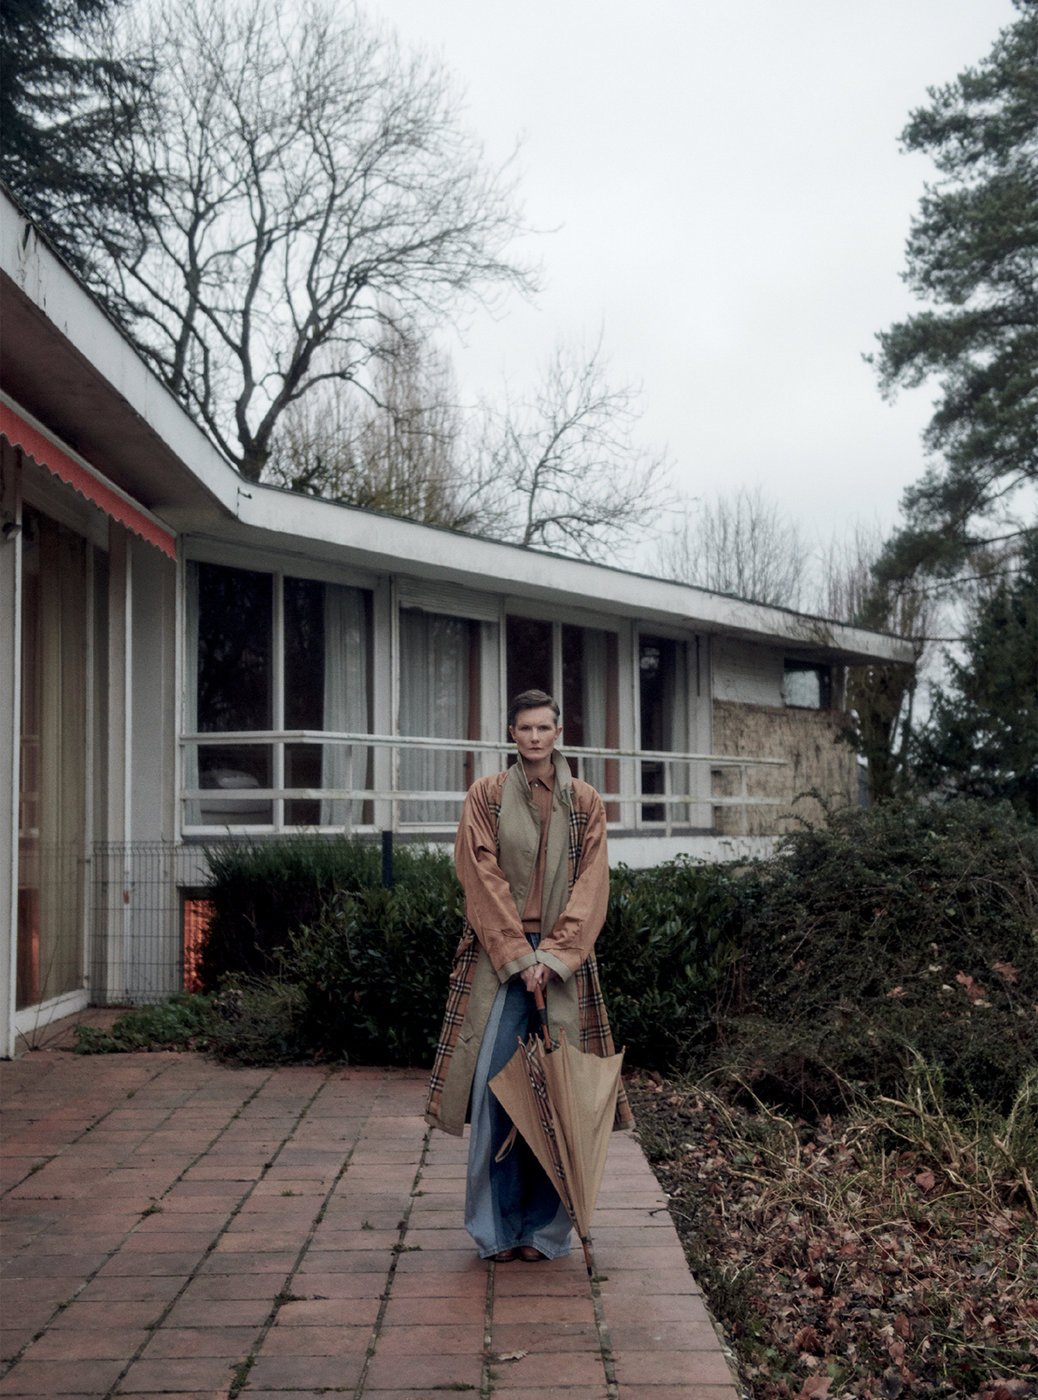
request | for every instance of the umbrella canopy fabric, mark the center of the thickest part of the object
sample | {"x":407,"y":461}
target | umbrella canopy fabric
{"x":563,"y":1102}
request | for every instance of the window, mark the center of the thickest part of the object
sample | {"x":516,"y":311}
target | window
{"x":274,"y":653}
{"x":807,"y":686}
{"x":439,"y":699}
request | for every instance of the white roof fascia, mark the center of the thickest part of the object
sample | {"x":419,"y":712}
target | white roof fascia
{"x":384,"y":543}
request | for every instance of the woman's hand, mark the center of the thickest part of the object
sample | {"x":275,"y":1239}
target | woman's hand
{"x":536,"y":975}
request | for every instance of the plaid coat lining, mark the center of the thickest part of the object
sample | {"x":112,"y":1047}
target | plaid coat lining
{"x":596,"y":1038}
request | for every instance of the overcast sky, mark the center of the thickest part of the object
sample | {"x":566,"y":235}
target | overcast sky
{"x":730,"y":208}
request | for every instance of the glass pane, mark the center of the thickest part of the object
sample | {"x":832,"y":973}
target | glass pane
{"x":573,"y":732}
{"x":528,"y":659}
{"x":304,"y":656}
{"x":235,"y":627}
{"x":807,"y":686}
{"x":303,"y":770}
{"x":664,"y":723}
{"x":232,"y":770}
{"x":346,"y":701}
{"x":439,"y":698}
{"x":590,"y":701}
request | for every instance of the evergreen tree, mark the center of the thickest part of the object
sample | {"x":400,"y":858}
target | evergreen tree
{"x":973,"y":254}
{"x":63,"y":103}
{"x":982,"y":735}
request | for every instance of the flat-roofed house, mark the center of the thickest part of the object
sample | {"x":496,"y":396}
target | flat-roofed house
{"x":188,"y":657}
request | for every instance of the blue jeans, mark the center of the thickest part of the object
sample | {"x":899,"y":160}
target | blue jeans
{"x":512,"y":1202}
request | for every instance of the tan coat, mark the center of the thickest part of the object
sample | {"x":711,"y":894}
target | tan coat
{"x":495,"y":853}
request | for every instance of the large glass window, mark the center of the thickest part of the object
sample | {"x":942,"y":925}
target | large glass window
{"x":439,"y":699}
{"x":274,"y":654}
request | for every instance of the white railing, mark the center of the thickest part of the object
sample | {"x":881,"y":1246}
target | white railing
{"x":369,"y":794}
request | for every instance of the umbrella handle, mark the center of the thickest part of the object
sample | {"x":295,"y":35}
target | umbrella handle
{"x":542,"y":1015}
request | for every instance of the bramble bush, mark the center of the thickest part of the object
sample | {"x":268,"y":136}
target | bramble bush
{"x":886,"y":936}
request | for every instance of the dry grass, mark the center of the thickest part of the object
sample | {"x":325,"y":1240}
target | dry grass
{"x":893,"y":1252}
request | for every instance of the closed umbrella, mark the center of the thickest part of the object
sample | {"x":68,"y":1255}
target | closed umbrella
{"x":563,"y":1102}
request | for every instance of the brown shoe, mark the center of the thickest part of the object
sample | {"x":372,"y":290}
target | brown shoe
{"x":529,"y":1255}
{"x":503,"y":1256}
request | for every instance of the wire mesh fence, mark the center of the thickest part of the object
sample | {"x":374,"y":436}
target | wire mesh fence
{"x":146,"y":896}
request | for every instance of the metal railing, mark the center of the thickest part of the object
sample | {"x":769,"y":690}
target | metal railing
{"x":644,"y":789}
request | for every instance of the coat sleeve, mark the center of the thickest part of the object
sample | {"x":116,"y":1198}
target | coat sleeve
{"x":578,"y":926}
{"x":489,"y":906}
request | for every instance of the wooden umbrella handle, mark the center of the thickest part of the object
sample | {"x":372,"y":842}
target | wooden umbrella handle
{"x":542,"y":1015}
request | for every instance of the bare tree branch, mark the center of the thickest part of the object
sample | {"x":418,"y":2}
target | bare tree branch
{"x":565,"y":469}
{"x":316,"y":185}
{"x":741,"y":544}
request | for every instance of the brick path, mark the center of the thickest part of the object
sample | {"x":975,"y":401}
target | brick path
{"x":176,"y":1228}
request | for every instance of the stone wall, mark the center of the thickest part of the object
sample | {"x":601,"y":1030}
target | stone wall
{"x":817,"y":759}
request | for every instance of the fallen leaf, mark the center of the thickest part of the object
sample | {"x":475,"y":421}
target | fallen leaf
{"x":511,"y":1355}
{"x":814,"y":1387}
{"x":1005,"y":970}
{"x":972,"y":987}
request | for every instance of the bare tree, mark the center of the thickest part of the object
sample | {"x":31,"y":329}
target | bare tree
{"x":398,"y":444}
{"x":740,"y":543}
{"x":562,"y":468}
{"x":316,"y":187}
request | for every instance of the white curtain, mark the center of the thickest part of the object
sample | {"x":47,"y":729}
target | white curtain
{"x":434,"y":703}
{"x":345,"y":699}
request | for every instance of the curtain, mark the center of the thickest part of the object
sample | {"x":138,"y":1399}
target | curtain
{"x":53,"y":796}
{"x":345,"y":699}
{"x":434,"y":703}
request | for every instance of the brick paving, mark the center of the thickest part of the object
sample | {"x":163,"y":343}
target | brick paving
{"x":176,"y":1228}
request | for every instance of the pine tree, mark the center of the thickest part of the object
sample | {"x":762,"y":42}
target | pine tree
{"x":982,"y":735}
{"x":63,"y":103}
{"x":973,"y":255}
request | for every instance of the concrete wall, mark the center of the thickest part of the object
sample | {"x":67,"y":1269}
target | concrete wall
{"x":816,"y":759}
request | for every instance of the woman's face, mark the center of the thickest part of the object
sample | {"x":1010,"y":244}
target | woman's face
{"x":535,"y":733}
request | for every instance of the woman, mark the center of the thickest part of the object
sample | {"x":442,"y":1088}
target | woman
{"x":531,"y":856}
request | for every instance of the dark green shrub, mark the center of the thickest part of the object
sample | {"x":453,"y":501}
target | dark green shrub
{"x":373,"y":970}
{"x":262,"y":892}
{"x":671,"y":936}
{"x":906,"y":929}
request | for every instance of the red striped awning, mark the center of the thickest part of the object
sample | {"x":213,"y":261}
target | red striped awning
{"x":74,"y":472}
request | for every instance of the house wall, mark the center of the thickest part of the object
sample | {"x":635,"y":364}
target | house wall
{"x":816,"y":758}
{"x":749,"y":674}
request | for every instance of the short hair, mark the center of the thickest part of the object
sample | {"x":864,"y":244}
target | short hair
{"x":531,"y":700}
